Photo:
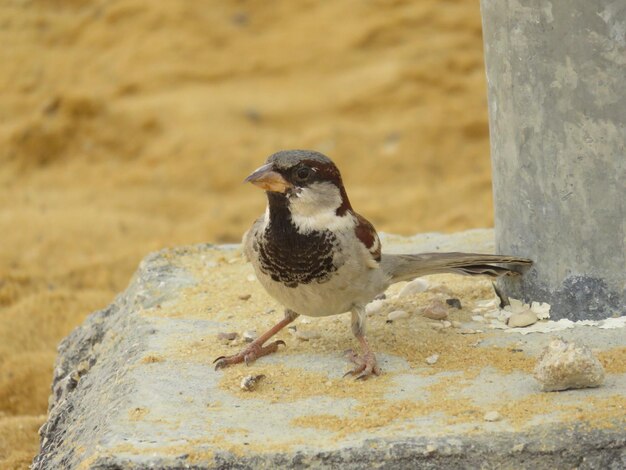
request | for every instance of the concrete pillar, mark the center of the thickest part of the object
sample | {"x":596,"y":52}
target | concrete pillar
{"x":556,"y":74}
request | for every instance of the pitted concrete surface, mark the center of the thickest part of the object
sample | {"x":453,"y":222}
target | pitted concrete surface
{"x":134,"y":386}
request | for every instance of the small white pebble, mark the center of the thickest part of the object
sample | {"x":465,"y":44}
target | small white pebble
{"x":432,"y":359}
{"x":249,"y":382}
{"x":374,"y":306}
{"x":492,"y":416}
{"x":488,"y":304}
{"x":414,"y":287}
{"x":397,"y":315}
{"x":250,"y":335}
{"x":478,"y":318}
{"x":436,"y":326}
{"x":446,"y":324}
{"x":306,"y":335}
{"x":522,"y":319}
{"x":251,"y":278}
{"x":305,"y":320}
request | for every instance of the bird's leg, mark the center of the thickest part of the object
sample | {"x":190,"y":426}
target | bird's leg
{"x":365,"y":363}
{"x":256,"y":349}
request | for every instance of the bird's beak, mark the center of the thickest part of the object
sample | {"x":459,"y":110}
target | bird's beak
{"x":268,"y":179}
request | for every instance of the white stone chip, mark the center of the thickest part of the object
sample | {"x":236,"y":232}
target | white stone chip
{"x":432,"y":359}
{"x":306,"y":335}
{"x":489,"y":304}
{"x":414,"y":287}
{"x":492,"y":416}
{"x":249,"y":382}
{"x":564,"y":324}
{"x":374,"y":306}
{"x":541,"y":309}
{"x":397,"y":315}
{"x":610,"y":323}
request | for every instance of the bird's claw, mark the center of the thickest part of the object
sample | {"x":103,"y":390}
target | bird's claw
{"x":248,"y":355}
{"x":365,"y":365}
{"x":220,"y":363}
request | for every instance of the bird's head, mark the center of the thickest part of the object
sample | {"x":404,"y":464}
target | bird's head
{"x":308,"y":182}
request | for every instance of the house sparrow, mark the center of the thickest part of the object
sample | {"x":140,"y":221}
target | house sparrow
{"x":318,"y":257}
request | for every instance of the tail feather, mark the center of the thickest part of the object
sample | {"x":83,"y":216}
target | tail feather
{"x":407,"y":267}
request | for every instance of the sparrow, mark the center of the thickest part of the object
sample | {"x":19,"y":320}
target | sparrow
{"x":317,"y":257}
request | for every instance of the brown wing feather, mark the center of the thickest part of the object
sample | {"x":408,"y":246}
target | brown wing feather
{"x":366,"y":232}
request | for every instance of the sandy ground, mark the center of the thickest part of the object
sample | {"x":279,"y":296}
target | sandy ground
{"x":127,"y":126}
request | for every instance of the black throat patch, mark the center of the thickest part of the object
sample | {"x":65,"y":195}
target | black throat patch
{"x":291,"y":257}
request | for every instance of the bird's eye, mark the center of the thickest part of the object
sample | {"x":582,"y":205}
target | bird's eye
{"x":303,"y":173}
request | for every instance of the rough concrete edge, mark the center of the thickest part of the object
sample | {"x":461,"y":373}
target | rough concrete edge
{"x":77,"y":348}
{"x":78,"y":352}
{"x":540,"y":448}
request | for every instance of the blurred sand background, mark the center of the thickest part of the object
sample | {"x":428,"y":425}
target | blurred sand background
{"x":127,"y":126}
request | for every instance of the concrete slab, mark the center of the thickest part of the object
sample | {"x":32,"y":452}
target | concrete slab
{"x":134,"y":386}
